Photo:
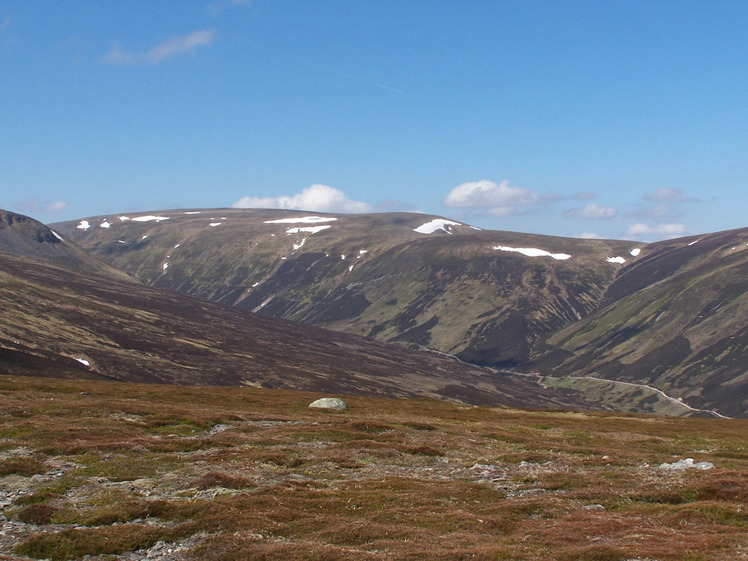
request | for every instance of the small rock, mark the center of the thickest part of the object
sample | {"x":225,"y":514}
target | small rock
{"x":688,"y":463}
{"x":329,"y":403}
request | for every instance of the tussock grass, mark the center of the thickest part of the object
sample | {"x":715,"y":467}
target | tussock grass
{"x":386,"y":479}
{"x":21,"y":466}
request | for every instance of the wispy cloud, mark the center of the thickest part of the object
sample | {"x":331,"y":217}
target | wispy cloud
{"x":665,"y":204}
{"x":585,"y":196}
{"x":667,"y":230}
{"x":35,"y":205}
{"x":666,"y":194}
{"x":589,"y":236}
{"x":495,"y":199}
{"x":592,"y":210}
{"x":318,"y":198}
{"x":57,"y":206}
{"x":186,"y":44}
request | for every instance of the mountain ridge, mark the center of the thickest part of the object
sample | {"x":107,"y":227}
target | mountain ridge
{"x":491,"y":298}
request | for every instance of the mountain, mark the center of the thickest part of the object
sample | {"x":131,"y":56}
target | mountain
{"x":676,"y":319}
{"x":482,"y":296}
{"x":22,"y":235}
{"x":582,"y":311}
{"x":67,"y":323}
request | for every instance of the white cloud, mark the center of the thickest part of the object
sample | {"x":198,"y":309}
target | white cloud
{"x":661,"y":231}
{"x":589,"y":236}
{"x":185,"y":44}
{"x":56,"y":206}
{"x":592,"y":210}
{"x":499,"y":199}
{"x":319,"y":198}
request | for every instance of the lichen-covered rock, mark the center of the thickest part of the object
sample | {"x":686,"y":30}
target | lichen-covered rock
{"x":688,"y":463}
{"x":334,"y":403}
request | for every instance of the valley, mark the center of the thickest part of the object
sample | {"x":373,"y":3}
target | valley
{"x":671,"y":315}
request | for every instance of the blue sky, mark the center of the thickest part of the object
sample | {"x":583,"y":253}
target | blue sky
{"x":617,"y":119}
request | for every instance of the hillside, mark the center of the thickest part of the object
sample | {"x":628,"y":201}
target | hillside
{"x":677,"y":319}
{"x":622,"y":322}
{"x":62,"y":322}
{"x":135,"y":472}
{"x":24,"y":236}
{"x":401,"y":277}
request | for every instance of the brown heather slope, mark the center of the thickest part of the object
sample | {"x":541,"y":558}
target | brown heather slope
{"x":22,"y":235}
{"x":163,"y":473}
{"x":54,"y":319}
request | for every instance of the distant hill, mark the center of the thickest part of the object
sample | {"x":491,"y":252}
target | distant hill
{"x":68,"y":323}
{"x":500,"y":299}
{"x":677,"y":319}
{"x":24,"y":236}
{"x":408,"y":278}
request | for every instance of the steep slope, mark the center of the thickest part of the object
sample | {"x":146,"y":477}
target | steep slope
{"x":677,"y":320}
{"x":22,"y":235}
{"x":483,"y":296}
{"x":57,"y":321}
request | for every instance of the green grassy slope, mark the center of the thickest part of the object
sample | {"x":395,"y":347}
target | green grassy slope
{"x":677,"y":320}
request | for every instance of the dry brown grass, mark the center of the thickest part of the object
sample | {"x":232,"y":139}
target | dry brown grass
{"x":264,"y":477}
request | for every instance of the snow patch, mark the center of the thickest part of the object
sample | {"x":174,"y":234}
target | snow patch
{"x":636,"y":251}
{"x":192,"y":212}
{"x":83,"y":361}
{"x":105,"y":224}
{"x":693,"y":242}
{"x":533,"y":252}
{"x":124,"y":218}
{"x":302,"y":220}
{"x":362,"y":251}
{"x":83,"y":225}
{"x":121,"y":241}
{"x":176,"y":246}
{"x":144,"y":237}
{"x":299,"y":245}
{"x":150,"y":218}
{"x":620,"y":260}
{"x":58,"y":236}
{"x":342,"y":257}
{"x":310,"y":229}
{"x":166,"y":266}
{"x":214,"y":224}
{"x":350,"y":268}
{"x":436,"y":225}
